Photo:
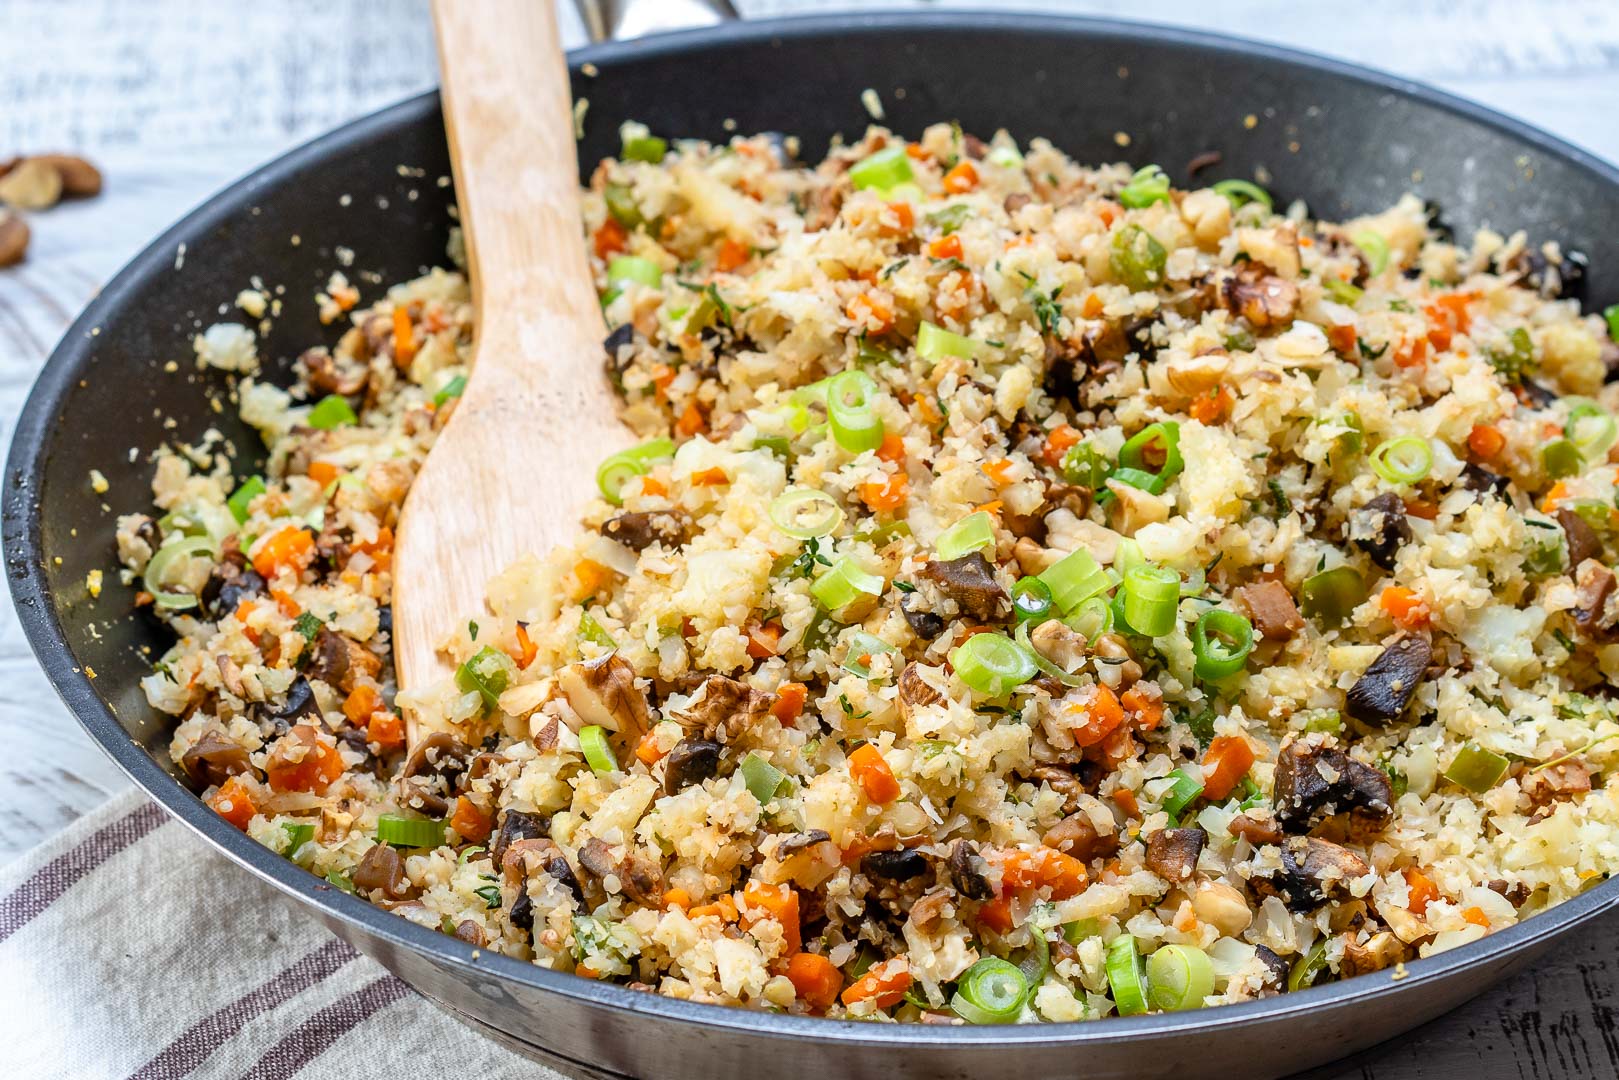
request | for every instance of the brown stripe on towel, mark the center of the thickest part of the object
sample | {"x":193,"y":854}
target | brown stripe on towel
{"x":315,"y":1035}
{"x":194,"y":1046}
{"x":59,"y":875}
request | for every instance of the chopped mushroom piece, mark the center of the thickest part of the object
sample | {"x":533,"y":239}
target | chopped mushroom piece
{"x":692,"y":761}
{"x":1583,"y":542}
{"x":1380,"y":529}
{"x":1275,"y":614}
{"x":1077,"y":835}
{"x":382,"y":870}
{"x":1172,"y":853}
{"x":1383,"y":691}
{"x":1557,"y":783}
{"x":969,"y":871}
{"x":639,"y":531}
{"x":1316,"y":781}
{"x":1595,"y":586}
{"x":213,"y":759}
{"x":1312,"y":870}
{"x":603,"y":692}
{"x":970,"y":582}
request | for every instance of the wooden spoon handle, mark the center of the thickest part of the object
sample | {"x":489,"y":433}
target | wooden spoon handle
{"x":517,"y":459}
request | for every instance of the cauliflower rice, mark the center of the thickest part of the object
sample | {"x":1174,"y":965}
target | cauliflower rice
{"x":1183,"y":600}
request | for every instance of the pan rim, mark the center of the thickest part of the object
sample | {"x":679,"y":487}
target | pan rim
{"x":32,"y":594}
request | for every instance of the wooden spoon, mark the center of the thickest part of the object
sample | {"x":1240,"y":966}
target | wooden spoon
{"x":517,"y":460}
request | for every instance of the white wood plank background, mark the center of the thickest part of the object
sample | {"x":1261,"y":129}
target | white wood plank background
{"x":175,"y":98}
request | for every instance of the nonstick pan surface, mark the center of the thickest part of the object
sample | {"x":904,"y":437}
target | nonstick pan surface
{"x":1344,"y":139}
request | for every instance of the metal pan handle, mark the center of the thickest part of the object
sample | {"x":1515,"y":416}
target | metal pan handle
{"x":617,"y":20}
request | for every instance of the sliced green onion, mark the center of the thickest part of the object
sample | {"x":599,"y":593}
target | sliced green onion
{"x":993,"y":664}
{"x":409,"y":832}
{"x":1187,"y":786}
{"x":1127,"y":976}
{"x":1332,"y":595}
{"x":1036,"y":961}
{"x":487,"y":673}
{"x":158,"y":568}
{"x":621,"y":204}
{"x":640,"y":144}
{"x":1240,"y":192}
{"x":1021,"y":636}
{"x":1325,"y":720}
{"x":843,"y":584}
{"x":339,"y":880}
{"x":936,"y":343}
{"x":950,"y":218}
{"x":1008,"y":157}
{"x":1031,"y":601}
{"x":1353,"y":439}
{"x":862,"y":647}
{"x":763,"y":779}
{"x":634,"y":268}
{"x":1138,"y":478}
{"x":1374,"y":247}
{"x":1402,"y":461}
{"x":298,"y":833}
{"x":1560,"y":458}
{"x":887,"y":168}
{"x":1137,"y":259}
{"x":992,"y":991}
{"x":851,"y":410}
{"x":238,"y":502}
{"x":972,"y":533}
{"x":1342,"y":291}
{"x":626,"y":465}
{"x":1093,"y":618}
{"x":1080,"y":929}
{"x":592,"y":631}
{"x":1307,"y":967}
{"x":1074,"y":579}
{"x":1155,"y":449}
{"x":331,"y":411}
{"x":1476,"y":769}
{"x":1151,"y":594}
{"x":1085,"y":465}
{"x":1590,"y":429}
{"x":1180,"y":977}
{"x":1611,"y":314}
{"x":1221,"y":641}
{"x":597,"y":750}
{"x":1149,"y":185}
{"x":452,"y":389}
{"x":805,"y":513}
{"x":779,"y":445}
{"x":1127,"y":556}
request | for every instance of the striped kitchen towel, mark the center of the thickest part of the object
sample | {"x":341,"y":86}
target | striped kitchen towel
{"x":128,"y":948}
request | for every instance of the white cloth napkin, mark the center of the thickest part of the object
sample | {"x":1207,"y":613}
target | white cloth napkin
{"x":129,"y":949}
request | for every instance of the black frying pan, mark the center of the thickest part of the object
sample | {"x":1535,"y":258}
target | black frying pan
{"x":1344,"y":139}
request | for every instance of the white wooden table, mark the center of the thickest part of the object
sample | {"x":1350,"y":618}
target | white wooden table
{"x":175,"y":98}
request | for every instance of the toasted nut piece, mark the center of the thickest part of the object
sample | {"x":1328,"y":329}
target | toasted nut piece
{"x":32,"y":185}
{"x":1195,"y":376}
{"x":1222,"y":907}
{"x":80,"y":179}
{"x":13,"y":239}
{"x":1054,"y":640}
{"x":1209,"y":214}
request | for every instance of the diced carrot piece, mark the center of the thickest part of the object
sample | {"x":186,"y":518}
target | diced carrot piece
{"x":470,"y":820}
{"x":1476,"y":916}
{"x":945,"y":247}
{"x":892,"y":449}
{"x":764,"y":641}
{"x":646,"y":751}
{"x":651,"y":485}
{"x":996,"y":914}
{"x":1486,"y":441}
{"x":610,"y":238}
{"x":676,"y":897}
{"x":782,"y":904}
{"x":386,"y":730}
{"x":586,"y":972}
{"x":1100,"y":714}
{"x":1145,"y":710}
{"x":1421,"y":889}
{"x":1342,"y":339}
{"x":1405,"y":606}
{"x":722,"y":906}
{"x":288,"y":548}
{"x":1412,"y":354}
{"x":1092,"y":306}
{"x":870,"y":313}
{"x":884,"y":985}
{"x":1109,"y":213}
{"x":867,"y":766}
{"x":1043,"y":866}
{"x":361,"y":703}
{"x":1420,"y":508}
{"x":1453,"y":308}
{"x":323,"y":472}
{"x":961,"y":179}
{"x":404,"y":337}
{"x":233,"y":802}
{"x":662,"y":376}
{"x":815,"y":979}
{"x":994,"y":506}
{"x":283,"y":600}
{"x":691,"y":420}
{"x":313,"y":770}
{"x":527,"y":649}
{"x":590,"y":578}
{"x":1118,"y":747}
{"x":1058,"y":442}
{"x":1125,"y":799}
{"x":714,"y":477}
{"x":731,"y":255}
{"x":790,"y":698}
{"x":1227,"y":762}
{"x":915,"y":152}
{"x":903,"y":216}
{"x":998,"y":471}
{"x":1557,"y":493}
{"x":886,"y":495}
